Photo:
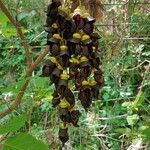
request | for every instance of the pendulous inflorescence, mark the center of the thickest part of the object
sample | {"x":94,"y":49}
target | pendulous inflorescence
{"x":73,"y":47}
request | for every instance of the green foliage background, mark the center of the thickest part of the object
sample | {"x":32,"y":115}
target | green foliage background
{"x":119,"y":119}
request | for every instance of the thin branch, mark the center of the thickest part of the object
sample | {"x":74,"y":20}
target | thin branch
{"x":139,"y":65}
{"x":24,"y":87}
{"x":103,"y":135}
{"x":115,"y":117}
{"x":17,"y":102}
{"x":19,"y":32}
{"x":38,"y":60}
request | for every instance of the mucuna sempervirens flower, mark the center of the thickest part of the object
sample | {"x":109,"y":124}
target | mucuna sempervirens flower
{"x":73,"y":47}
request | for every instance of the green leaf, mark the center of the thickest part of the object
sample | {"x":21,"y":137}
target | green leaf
{"x":126,"y":104}
{"x":14,"y":87}
{"x":106,"y":96}
{"x":22,"y":15}
{"x":14,"y":124}
{"x":146,"y":132}
{"x":120,"y":130}
{"x":24,"y":141}
{"x":45,"y":107}
{"x":138,"y":101}
{"x":132,"y":119}
{"x":3,"y":19}
{"x":40,"y":82}
{"x":8,"y":32}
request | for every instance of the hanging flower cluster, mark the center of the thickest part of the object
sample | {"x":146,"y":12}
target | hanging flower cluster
{"x":73,"y":58}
